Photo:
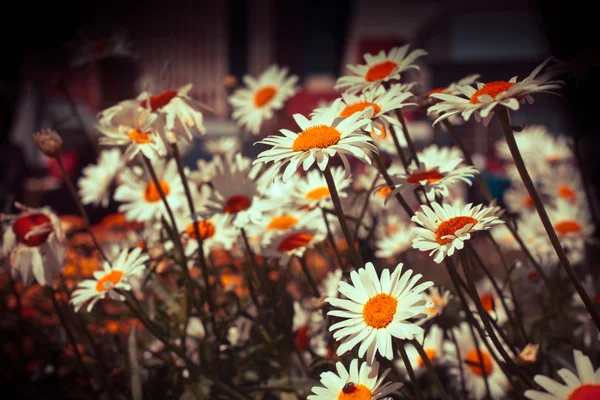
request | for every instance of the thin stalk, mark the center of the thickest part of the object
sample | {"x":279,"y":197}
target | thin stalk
{"x":263,"y":284}
{"x":337,"y":204}
{"x":309,"y":277}
{"x":390,"y":183}
{"x":409,"y":142}
{"x":332,"y":240}
{"x":65,"y":325}
{"x":459,"y":361}
{"x":485,"y":319}
{"x":399,"y":148}
{"x":430,"y":369}
{"x":481,"y":365}
{"x":201,"y":256}
{"x":80,"y":207}
{"x":365,"y":207}
{"x":502,"y":115}
{"x":409,"y":370}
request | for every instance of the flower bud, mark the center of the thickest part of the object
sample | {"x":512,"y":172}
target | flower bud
{"x":49,"y":142}
{"x":529,"y":354}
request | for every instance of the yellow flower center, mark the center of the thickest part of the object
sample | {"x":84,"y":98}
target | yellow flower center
{"x":488,"y":302}
{"x":479,"y":365}
{"x":586,"y":392}
{"x":264,"y":95}
{"x":236,"y":204}
{"x":318,"y":193}
{"x":282,"y":222}
{"x":151,"y":193}
{"x":565,"y":227}
{"x":206,"y":230}
{"x":431,"y":176}
{"x":109,"y":281}
{"x":294,"y":241}
{"x":430,"y":354}
{"x":450,"y":227}
{"x":567,"y":193}
{"x":355,"y":392}
{"x":492,"y":89}
{"x":139,"y":136}
{"x":358,"y":107}
{"x":384,"y":191}
{"x":379,"y":310}
{"x":316,"y":137}
{"x":380,"y":71}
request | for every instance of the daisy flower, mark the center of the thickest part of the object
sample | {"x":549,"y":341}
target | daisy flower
{"x":452,"y":88}
{"x":140,"y":197}
{"x":256,"y":102}
{"x":95,"y":183}
{"x":440,"y":298}
{"x":438,"y":169}
{"x":110,"y":279}
{"x":581,"y":384}
{"x":224,"y":146}
{"x":283,"y":220}
{"x":491,"y":302}
{"x":518,"y":199}
{"x":573,"y":226}
{"x":433,"y":346}
{"x":33,"y":245}
{"x":394,"y":244}
{"x":377,"y":309}
{"x":373,"y":106}
{"x":215,"y":232}
{"x":178,"y":114}
{"x":312,"y":190}
{"x":379,"y":68}
{"x":446,"y":227}
{"x":476,"y":366}
{"x":564,"y":183}
{"x":293,"y":242}
{"x":127,"y":124}
{"x":322,"y":137}
{"x":354,"y":384}
{"x":329,"y":286}
{"x":482,"y":100}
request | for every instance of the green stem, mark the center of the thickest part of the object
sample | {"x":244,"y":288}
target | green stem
{"x":409,"y":142}
{"x":502,"y":115}
{"x":409,"y":370}
{"x":399,"y":148}
{"x":337,"y":204}
{"x":309,"y":277}
{"x":332,"y":240}
{"x":430,"y":369}
{"x":365,"y":207}
{"x":390,"y":183}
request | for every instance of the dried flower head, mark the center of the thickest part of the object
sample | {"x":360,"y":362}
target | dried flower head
{"x":529,"y":354}
{"x":49,"y":142}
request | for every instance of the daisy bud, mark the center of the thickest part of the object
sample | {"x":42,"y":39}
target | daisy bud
{"x":529,"y":354}
{"x":49,"y":142}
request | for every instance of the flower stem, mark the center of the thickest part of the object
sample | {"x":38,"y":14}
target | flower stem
{"x":332,"y":240}
{"x":365,"y":207}
{"x":337,"y":204}
{"x":390,"y":183}
{"x":502,"y":115}
{"x":430,"y":369}
{"x":409,"y":142}
{"x":82,"y":211}
{"x":309,"y":277}
{"x":409,"y":370}
{"x":399,"y":148}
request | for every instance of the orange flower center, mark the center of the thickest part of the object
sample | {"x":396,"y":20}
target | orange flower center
{"x":492,"y":89}
{"x":33,"y":229}
{"x":527,"y":201}
{"x":236,"y":204}
{"x":450,"y":227}
{"x":160,"y":100}
{"x":294,"y":241}
{"x":380,"y":71}
{"x":316,"y":137}
{"x":488,"y":302}
{"x":206,"y":230}
{"x":567,"y":193}
{"x":565,"y":227}
{"x":355,"y":392}
{"x":379,"y":310}
{"x":318,"y":193}
{"x":282,"y":222}
{"x":431,"y":176}
{"x":384,"y":191}
{"x":434,"y":309}
{"x":586,"y":392}
{"x":139,"y":136}
{"x":478,"y":365}
{"x":264,"y":96}
{"x":438,"y":90}
{"x":430,"y":354}
{"x":358,"y":107}
{"x":109,"y":280}
{"x":152,"y":194}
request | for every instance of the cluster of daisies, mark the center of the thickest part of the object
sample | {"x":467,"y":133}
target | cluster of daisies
{"x":282,"y":207}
